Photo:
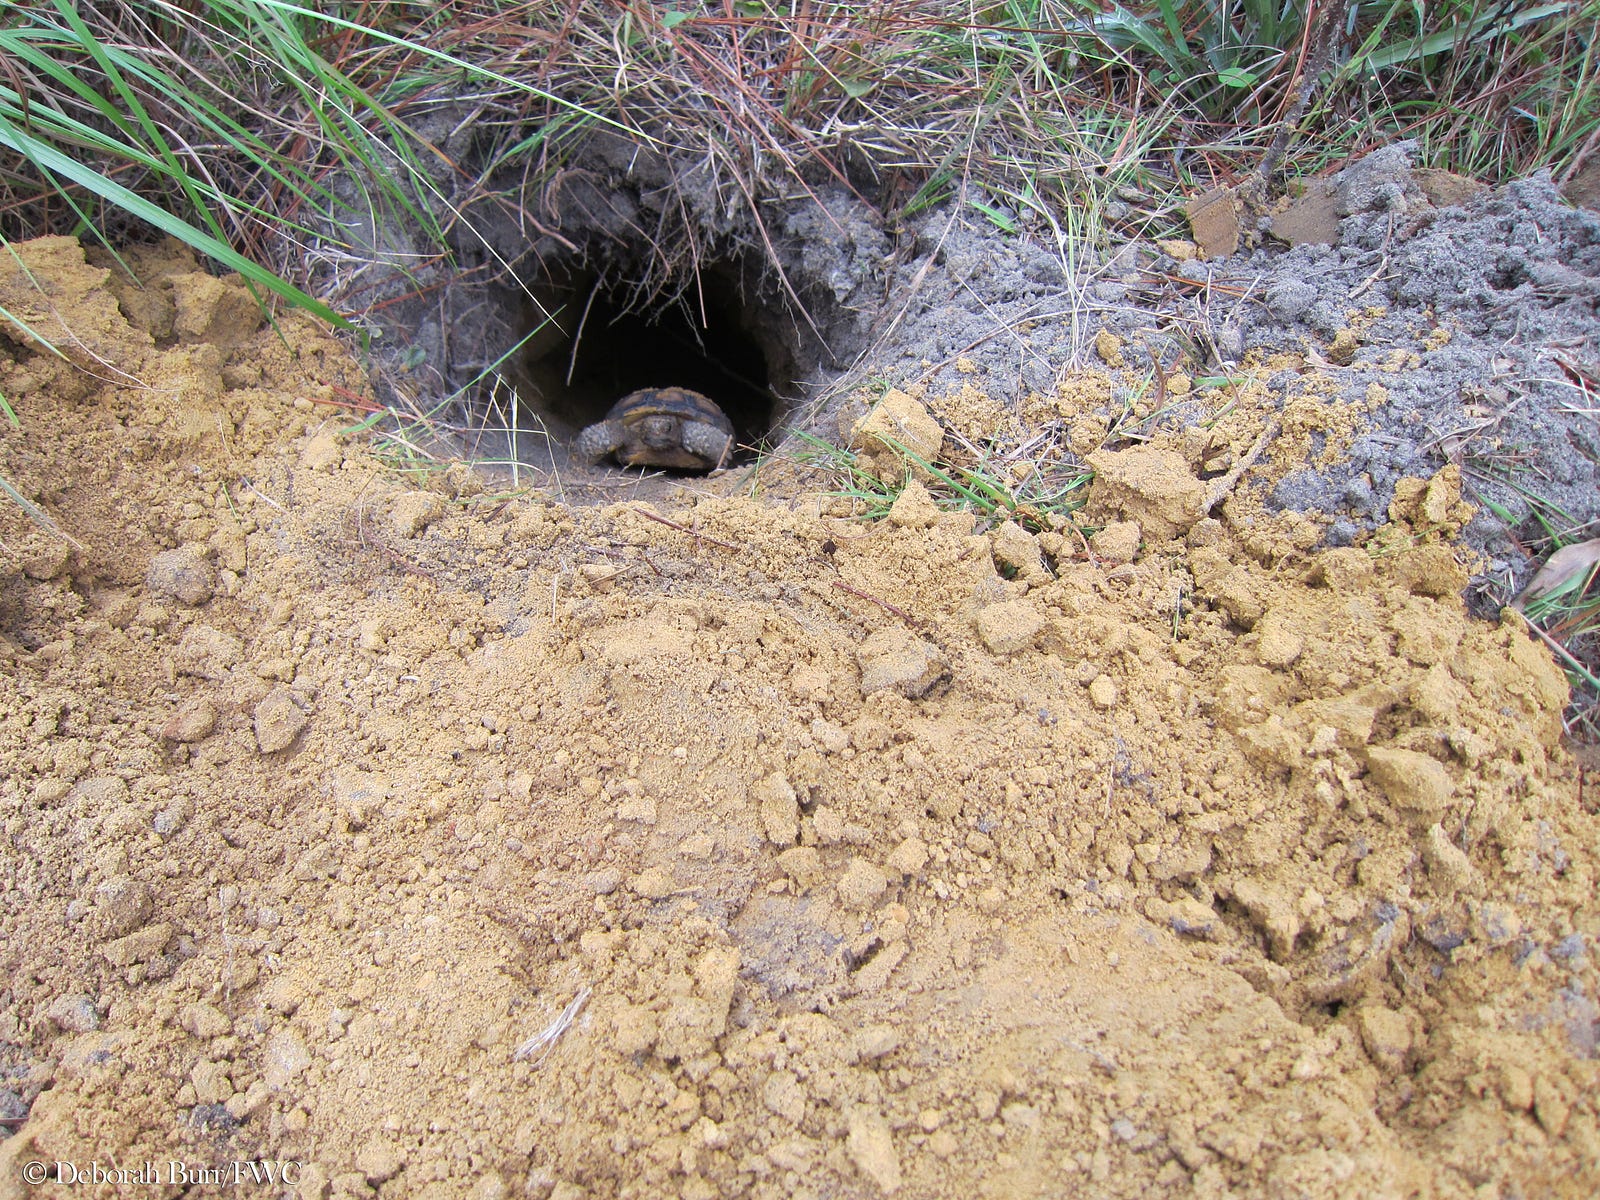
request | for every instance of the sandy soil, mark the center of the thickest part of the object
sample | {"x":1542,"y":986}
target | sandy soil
{"x":908,"y":858}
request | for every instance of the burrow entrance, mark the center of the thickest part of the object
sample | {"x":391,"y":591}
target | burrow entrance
{"x":630,"y":269}
{"x":580,"y":328}
{"x":589,"y":337}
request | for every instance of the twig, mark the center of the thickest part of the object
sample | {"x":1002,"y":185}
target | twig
{"x":694,"y":533}
{"x":577,"y":338}
{"x":1221,"y":487}
{"x":1383,"y":262}
{"x":1317,"y":60}
{"x":369,"y":538}
{"x":883,"y":604}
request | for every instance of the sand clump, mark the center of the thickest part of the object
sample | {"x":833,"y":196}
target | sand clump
{"x":863,"y":860}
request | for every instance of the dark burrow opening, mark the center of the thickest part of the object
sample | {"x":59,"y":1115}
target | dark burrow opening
{"x":591,"y":338}
{"x":632,"y":270}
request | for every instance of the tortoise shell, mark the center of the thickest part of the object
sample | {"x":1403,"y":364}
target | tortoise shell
{"x":670,"y":427}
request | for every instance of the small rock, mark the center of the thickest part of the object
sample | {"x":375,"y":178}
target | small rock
{"x":780,"y":809}
{"x":914,"y":508}
{"x":191,"y":723}
{"x":380,"y":1161}
{"x":1118,"y":541}
{"x":182,"y":574}
{"x":284,"y":1057}
{"x":1415,"y":782}
{"x":75,"y":1013}
{"x":278,"y":720}
{"x":1387,"y":1037}
{"x":1008,"y":627}
{"x":871,"y":1147}
{"x":893,"y":658}
{"x":1103,"y":692}
{"x":862,"y":885}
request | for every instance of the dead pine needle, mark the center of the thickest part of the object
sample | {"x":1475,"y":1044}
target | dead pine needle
{"x":542,"y":1042}
{"x":880,"y":602}
{"x":1219,"y":489}
{"x":694,"y":533}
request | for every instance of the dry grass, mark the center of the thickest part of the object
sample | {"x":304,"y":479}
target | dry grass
{"x":281,"y":119}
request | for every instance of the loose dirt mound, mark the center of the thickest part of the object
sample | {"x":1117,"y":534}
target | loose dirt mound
{"x":864,"y":859}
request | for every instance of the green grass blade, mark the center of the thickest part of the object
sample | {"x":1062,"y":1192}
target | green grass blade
{"x":50,"y":160}
{"x":35,"y":513}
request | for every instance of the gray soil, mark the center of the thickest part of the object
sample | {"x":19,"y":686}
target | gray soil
{"x":1477,"y":320}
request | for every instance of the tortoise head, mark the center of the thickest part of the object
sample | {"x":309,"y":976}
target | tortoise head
{"x":659,"y":431}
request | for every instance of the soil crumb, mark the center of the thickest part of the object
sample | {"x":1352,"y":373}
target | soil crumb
{"x":445,"y":844}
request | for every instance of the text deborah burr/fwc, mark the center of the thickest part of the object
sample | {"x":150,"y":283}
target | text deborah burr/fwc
{"x":163,"y":1174}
